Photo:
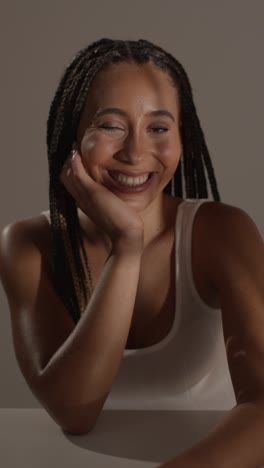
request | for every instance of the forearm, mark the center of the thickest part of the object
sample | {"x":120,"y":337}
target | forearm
{"x":83,"y":368}
{"x":237,"y":442}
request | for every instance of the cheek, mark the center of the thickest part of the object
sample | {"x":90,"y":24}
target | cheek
{"x":95,"y":149}
{"x":170,"y":152}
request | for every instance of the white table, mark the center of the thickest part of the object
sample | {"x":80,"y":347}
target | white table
{"x":29,"y":438}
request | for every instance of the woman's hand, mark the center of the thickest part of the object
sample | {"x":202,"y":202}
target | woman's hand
{"x":111,"y":214}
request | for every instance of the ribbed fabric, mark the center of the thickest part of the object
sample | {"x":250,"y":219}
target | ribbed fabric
{"x":188,"y":369}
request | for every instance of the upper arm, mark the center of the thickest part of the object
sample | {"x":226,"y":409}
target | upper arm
{"x":238,"y":275}
{"x":39,"y":320}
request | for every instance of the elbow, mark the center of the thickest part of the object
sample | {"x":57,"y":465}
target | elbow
{"x":73,"y":417}
{"x":77,"y":430}
{"x":76,"y":427}
{"x":71,"y":422}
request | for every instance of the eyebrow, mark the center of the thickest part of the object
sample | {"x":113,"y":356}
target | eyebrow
{"x":114,"y":110}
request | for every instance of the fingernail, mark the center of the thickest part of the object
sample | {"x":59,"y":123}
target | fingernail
{"x":73,"y":153}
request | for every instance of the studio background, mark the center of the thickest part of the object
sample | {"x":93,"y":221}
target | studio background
{"x":220,"y":45}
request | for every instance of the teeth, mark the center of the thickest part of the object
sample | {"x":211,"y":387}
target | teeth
{"x":129,"y":181}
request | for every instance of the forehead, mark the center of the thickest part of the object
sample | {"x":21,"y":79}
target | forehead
{"x":126,"y":78}
{"x":133,"y":87}
{"x":130,"y":74}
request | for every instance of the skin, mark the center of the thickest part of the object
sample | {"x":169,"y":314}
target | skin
{"x":135,"y":146}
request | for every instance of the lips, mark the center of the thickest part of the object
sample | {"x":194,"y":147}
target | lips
{"x":130,"y":174}
{"x":125,"y":188}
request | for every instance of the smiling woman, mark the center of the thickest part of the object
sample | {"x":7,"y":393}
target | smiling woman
{"x":142,"y":128}
{"x":139,"y":325}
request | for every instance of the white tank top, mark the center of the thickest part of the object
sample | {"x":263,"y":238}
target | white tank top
{"x":188,"y":369}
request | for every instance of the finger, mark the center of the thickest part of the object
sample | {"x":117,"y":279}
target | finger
{"x":65,"y":171}
{"x":73,"y":153}
{"x":79,"y":172}
{"x":71,"y":188}
{"x":74,"y":175}
{"x":66,"y":180}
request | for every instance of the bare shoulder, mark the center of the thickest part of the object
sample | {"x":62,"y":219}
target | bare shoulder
{"x":217,"y":219}
{"x":226,"y":229}
{"x":31,"y":233}
{"x":218,"y":209}
{"x":224,"y":222}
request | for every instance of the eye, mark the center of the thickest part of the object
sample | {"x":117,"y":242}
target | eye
{"x":109,"y":127}
{"x":157,"y":129}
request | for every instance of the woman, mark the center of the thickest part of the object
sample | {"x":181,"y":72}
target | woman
{"x":141,"y":321}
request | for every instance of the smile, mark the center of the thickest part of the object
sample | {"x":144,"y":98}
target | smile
{"x":130,"y":181}
{"x":129,"y":184}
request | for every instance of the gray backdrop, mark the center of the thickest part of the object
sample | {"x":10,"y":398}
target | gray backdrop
{"x":220,"y":44}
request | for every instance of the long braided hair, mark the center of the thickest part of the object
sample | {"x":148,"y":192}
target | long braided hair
{"x":69,"y":276}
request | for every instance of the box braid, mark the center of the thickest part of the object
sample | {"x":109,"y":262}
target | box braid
{"x":68,"y":272}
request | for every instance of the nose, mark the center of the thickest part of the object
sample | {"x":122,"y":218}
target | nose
{"x":134,"y":147}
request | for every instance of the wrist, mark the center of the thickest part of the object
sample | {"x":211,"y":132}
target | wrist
{"x":128,"y":246}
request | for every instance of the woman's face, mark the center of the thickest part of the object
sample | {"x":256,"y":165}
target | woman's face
{"x":133,"y":135}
